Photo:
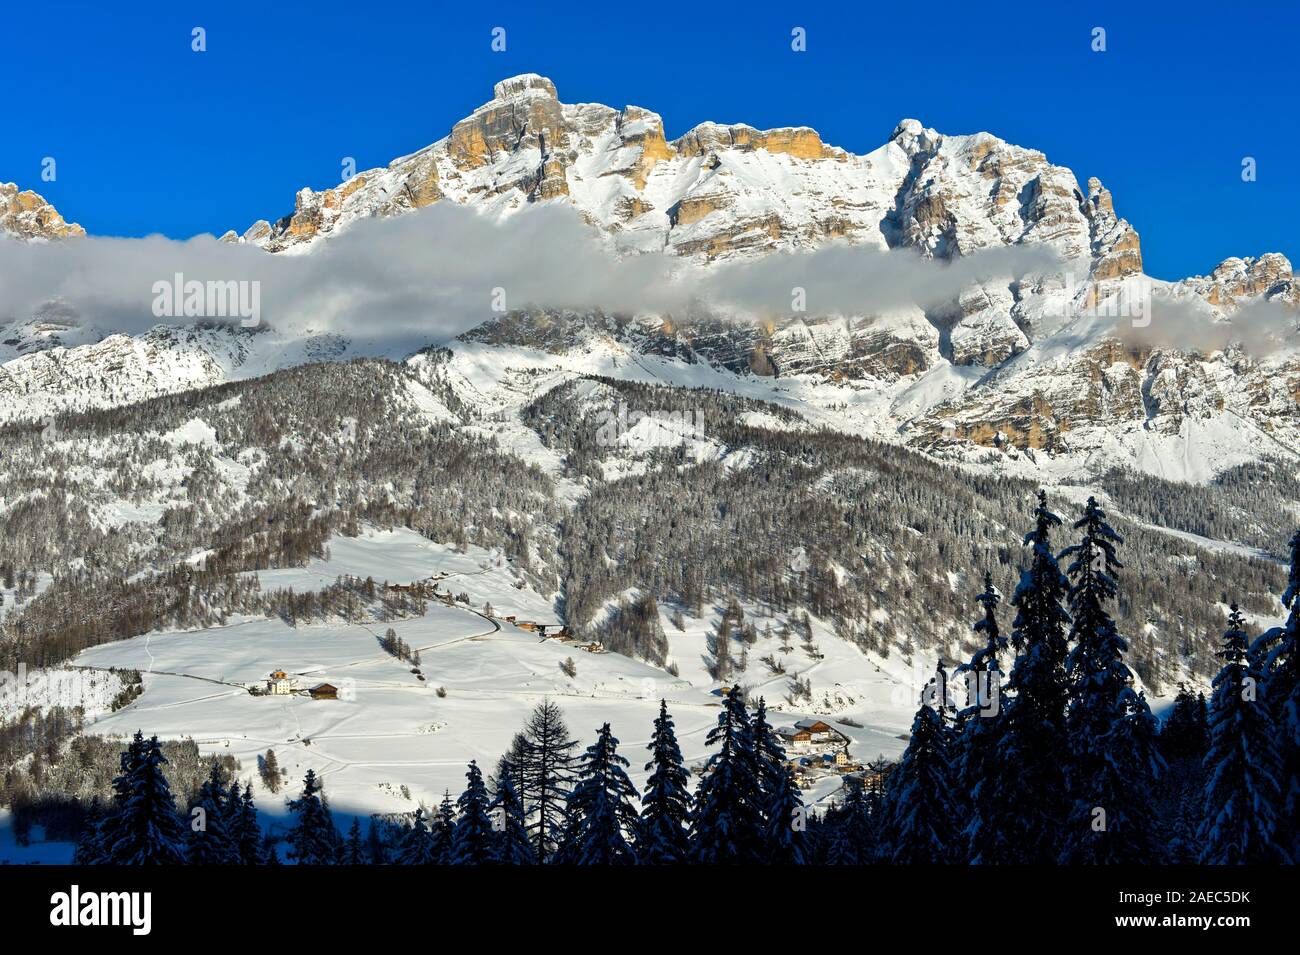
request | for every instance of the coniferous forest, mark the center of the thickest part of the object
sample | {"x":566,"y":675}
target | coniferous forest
{"x":1038,"y":749}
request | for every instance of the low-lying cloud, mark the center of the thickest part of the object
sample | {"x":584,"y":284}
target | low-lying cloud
{"x":420,"y":278}
{"x":1186,"y":323}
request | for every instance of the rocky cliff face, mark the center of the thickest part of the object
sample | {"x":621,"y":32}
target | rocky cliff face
{"x":1235,"y":281}
{"x":26,"y":215}
{"x":722,"y":192}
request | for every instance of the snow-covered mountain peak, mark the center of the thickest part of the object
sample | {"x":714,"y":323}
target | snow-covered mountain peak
{"x":1026,"y":363}
{"x":26,"y":215}
{"x":55,"y":324}
{"x":525,"y":84}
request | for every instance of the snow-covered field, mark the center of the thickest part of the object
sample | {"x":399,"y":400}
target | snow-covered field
{"x":393,"y":741}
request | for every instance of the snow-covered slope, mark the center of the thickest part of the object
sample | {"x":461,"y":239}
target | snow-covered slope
{"x":393,"y":741}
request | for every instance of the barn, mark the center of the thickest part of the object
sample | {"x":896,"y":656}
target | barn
{"x":794,"y":736}
{"x":324,"y":691}
{"x":818,"y":729}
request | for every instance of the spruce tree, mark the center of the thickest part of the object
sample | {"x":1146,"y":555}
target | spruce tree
{"x":1026,"y":794}
{"x":603,"y":817}
{"x":416,"y":845}
{"x":96,"y":845}
{"x":444,"y":827}
{"x":354,"y":850}
{"x":511,"y":764}
{"x":666,"y":805}
{"x":977,"y":733}
{"x":213,"y":821}
{"x":1242,"y":798}
{"x":854,"y":841}
{"x":471,"y":841}
{"x":312,"y":839}
{"x":248,"y":839}
{"x":270,"y":855}
{"x":1184,"y":732}
{"x":510,"y":843}
{"x":784,"y":829}
{"x":145,"y":829}
{"x":769,"y":762}
{"x":726,"y":825}
{"x":90,"y":847}
{"x":1111,"y":736}
{"x":779,"y":801}
{"x":377,"y":848}
{"x":920,"y":824}
{"x":1279,"y":666}
{"x":838,"y":845}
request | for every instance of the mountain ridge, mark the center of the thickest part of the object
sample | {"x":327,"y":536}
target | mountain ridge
{"x":1014,"y":368}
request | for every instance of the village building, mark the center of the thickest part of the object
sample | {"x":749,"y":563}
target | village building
{"x":324,"y":691}
{"x":279,"y":683}
{"x":794,"y":737}
{"x":820,"y":730}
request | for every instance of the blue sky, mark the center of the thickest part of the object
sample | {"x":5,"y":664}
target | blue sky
{"x":150,"y":137}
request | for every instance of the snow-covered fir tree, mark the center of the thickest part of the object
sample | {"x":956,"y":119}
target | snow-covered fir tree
{"x":511,"y":764}
{"x":1113,"y":757}
{"x":377,"y":846}
{"x":977,"y":733}
{"x":93,"y":846}
{"x":1242,"y":797}
{"x":920,"y":824}
{"x":471,"y":840}
{"x":416,"y":844}
{"x":853,"y":828}
{"x":444,"y":829}
{"x":1026,"y":795}
{"x":248,"y":832}
{"x":313,"y":840}
{"x":1279,"y":664}
{"x":144,"y":828}
{"x":601,"y":807}
{"x":726,"y":823}
{"x":779,"y":801}
{"x":510,"y":843}
{"x":1184,"y":733}
{"x":213,"y":822}
{"x":786,"y":823}
{"x":769,"y":760}
{"x":354,"y":849}
{"x":89,"y":850}
{"x":662,"y":836}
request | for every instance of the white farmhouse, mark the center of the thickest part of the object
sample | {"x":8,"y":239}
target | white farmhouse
{"x":279,"y":684}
